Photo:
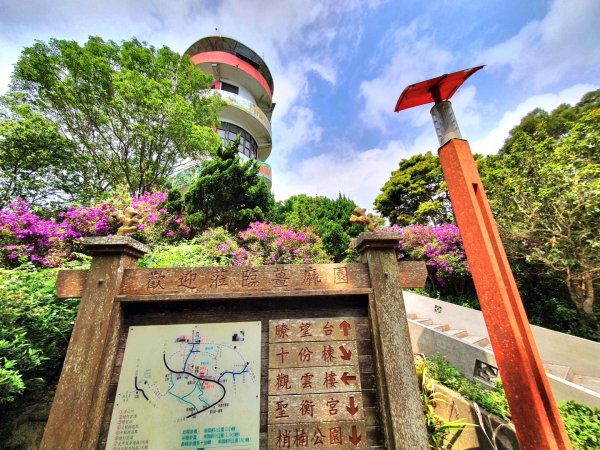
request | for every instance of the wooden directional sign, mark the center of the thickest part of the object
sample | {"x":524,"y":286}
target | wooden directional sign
{"x":330,"y":407}
{"x":338,"y":435}
{"x":320,"y":393}
{"x":312,"y":330}
{"x":310,"y":380}
{"x":313,"y":354}
{"x":314,"y":377}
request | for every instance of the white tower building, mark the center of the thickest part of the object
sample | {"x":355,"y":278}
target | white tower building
{"x":243,"y":80}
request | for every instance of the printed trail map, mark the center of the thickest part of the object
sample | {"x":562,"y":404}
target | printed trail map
{"x":191,"y":386}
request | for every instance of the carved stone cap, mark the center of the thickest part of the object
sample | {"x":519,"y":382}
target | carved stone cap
{"x":366,"y":241}
{"x":115,"y":244}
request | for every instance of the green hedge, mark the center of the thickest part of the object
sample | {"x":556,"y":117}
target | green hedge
{"x":35,"y":327}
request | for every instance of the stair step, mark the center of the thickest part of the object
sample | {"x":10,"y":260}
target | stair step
{"x":592,"y":383}
{"x":559,"y":371}
{"x":457,"y":333}
{"x":440,"y":327}
{"x":477,"y":340}
{"x":424,"y":321}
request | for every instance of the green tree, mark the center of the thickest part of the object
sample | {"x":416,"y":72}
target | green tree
{"x":416,"y":193}
{"x":545,"y":192}
{"x":134,"y":113}
{"x":327,"y":217}
{"x":35,"y":159}
{"x":228,"y":193}
{"x":540,"y":124}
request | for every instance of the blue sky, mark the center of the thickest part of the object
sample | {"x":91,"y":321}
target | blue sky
{"x":339,"y":67}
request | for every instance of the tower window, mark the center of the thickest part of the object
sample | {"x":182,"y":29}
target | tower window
{"x":247,"y":146}
{"x":248,"y":60}
{"x":230,"y":88}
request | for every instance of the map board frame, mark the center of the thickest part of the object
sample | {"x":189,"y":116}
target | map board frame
{"x":116,"y":295}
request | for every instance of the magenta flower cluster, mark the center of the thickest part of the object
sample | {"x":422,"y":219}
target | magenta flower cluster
{"x":439,"y":246}
{"x":266,"y":243}
{"x":29,"y":236}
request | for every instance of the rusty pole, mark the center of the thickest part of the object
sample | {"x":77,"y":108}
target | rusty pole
{"x":532,"y":405}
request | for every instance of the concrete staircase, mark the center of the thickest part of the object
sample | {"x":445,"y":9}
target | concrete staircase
{"x":459,"y":334}
{"x":561,"y":371}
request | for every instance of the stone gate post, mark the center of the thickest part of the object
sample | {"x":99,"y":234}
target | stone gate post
{"x":76,"y":415}
{"x":397,"y":389}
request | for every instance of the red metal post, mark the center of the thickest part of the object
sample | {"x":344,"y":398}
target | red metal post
{"x":532,"y":405}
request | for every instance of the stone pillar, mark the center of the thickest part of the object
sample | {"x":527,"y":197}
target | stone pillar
{"x":77,"y":411}
{"x":397,"y":389}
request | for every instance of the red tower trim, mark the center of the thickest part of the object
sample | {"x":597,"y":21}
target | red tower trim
{"x":232,"y":60}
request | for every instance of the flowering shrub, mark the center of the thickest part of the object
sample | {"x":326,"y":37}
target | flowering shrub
{"x":261,"y":243}
{"x":157,"y":224}
{"x":265,"y":243}
{"x":214,"y":247}
{"x":439,"y":246}
{"x":100,"y":219}
{"x":26,"y":236}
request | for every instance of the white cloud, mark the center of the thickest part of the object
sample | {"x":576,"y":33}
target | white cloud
{"x":492,"y":142}
{"x":298,"y":131}
{"x":564,"y":43}
{"x":282,"y":32}
{"x":357,"y":174}
{"x":415,"y":57}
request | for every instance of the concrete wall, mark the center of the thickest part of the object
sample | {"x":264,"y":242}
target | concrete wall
{"x":561,"y":348}
{"x":458,"y":353}
{"x":582,"y":355}
{"x":564,"y":390}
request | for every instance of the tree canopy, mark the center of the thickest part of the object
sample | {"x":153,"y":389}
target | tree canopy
{"x":540,"y":124}
{"x":544,"y":188}
{"x":36,"y":160}
{"x":134,"y":113}
{"x":227,"y":193}
{"x":329,"y":218}
{"x":416,"y":193}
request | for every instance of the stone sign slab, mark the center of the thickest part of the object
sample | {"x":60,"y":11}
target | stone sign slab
{"x":333,"y":435}
{"x":200,"y":382}
{"x":313,"y":380}
{"x":313,"y":354}
{"x":330,"y":407}
{"x":300,"y":330}
{"x":213,"y":281}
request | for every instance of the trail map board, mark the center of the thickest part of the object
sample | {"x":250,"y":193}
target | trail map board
{"x":189,"y":386}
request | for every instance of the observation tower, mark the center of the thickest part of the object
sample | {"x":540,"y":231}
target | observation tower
{"x":244,"y":81}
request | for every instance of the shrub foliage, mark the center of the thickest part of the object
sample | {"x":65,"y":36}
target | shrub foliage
{"x":35,"y":328}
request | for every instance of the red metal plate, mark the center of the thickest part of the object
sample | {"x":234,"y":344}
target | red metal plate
{"x":434,"y":90}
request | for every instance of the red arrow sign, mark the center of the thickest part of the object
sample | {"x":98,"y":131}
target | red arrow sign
{"x":345,"y":326}
{"x":352,"y":408}
{"x":354,"y":438}
{"x":345,"y":378}
{"x":346,"y":354}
